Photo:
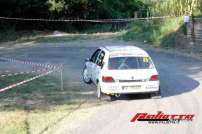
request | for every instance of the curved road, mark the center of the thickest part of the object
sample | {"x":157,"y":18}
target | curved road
{"x":181,"y":79}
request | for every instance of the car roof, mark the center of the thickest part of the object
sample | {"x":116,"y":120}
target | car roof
{"x":130,"y":50}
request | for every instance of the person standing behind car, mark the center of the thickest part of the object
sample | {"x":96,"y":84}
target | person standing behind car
{"x":186,"y":21}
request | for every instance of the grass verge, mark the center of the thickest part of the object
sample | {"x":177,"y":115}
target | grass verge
{"x":161,"y":33}
{"x":34,"y":107}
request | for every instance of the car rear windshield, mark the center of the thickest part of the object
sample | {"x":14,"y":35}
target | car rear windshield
{"x":125,"y":63}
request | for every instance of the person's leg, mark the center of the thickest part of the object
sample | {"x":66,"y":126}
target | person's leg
{"x":185,"y":28}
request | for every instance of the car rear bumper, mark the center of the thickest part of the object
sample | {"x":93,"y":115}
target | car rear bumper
{"x":130,"y":88}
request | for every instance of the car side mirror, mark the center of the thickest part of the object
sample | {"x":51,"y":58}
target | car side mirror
{"x":87,"y":59}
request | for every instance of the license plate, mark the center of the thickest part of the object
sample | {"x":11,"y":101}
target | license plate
{"x":131,"y":87}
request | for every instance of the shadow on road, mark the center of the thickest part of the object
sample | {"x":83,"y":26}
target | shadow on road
{"x":177,"y":73}
{"x":134,"y":97}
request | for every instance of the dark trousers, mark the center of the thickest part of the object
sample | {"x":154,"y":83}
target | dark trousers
{"x":185,"y":28}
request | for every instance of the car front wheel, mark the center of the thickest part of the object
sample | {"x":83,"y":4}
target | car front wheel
{"x":86,"y":77}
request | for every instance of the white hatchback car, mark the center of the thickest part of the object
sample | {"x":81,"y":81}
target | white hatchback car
{"x":119,"y":70}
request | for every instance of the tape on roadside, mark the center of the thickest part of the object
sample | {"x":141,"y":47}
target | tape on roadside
{"x":25,"y":81}
{"x":83,"y":20}
{"x":46,"y":69}
{"x":49,"y":66}
{"x":20,"y":73}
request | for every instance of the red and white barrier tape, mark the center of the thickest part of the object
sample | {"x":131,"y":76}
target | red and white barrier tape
{"x":19,"y":73}
{"x":25,"y":81}
{"x":84,"y":20}
{"x":50,"y":66}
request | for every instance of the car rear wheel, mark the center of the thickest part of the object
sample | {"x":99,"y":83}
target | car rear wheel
{"x":86,"y":77}
{"x":157,"y":94}
{"x":113,"y":98}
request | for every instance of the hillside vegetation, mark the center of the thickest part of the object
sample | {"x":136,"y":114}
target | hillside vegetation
{"x":158,"y":32}
{"x":11,"y":30}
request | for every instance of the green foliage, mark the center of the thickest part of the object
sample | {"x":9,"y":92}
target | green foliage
{"x":95,"y":9}
{"x":200,"y":5}
{"x":126,"y":8}
{"x":56,"y":5}
{"x":172,"y":7}
{"x":158,"y":32}
{"x":23,"y":8}
{"x":88,"y":9}
{"x":70,"y":8}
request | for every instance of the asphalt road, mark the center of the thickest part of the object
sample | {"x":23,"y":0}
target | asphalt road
{"x":181,"y":79}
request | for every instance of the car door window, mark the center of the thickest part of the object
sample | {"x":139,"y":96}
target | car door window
{"x":100,"y":59}
{"x":95,"y":55}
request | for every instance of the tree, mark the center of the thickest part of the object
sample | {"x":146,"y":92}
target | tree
{"x":171,"y":7}
{"x":56,"y":5}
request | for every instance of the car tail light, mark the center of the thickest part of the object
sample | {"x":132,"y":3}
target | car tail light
{"x":107,"y":79}
{"x":154,"y":78}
